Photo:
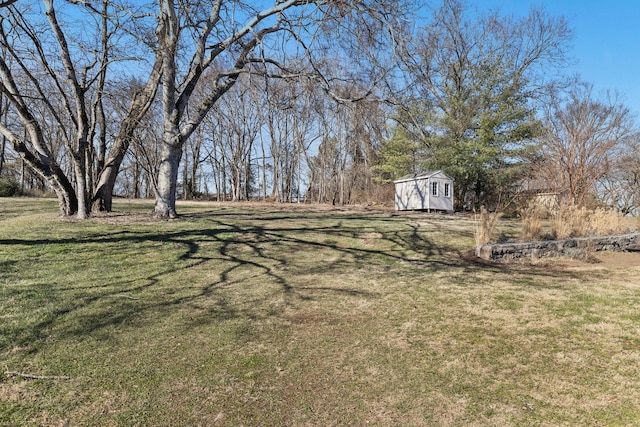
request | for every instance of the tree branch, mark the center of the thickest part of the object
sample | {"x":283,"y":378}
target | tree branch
{"x":35,"y":377}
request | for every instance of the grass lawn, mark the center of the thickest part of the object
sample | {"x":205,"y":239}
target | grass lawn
{"x":286,"y":315}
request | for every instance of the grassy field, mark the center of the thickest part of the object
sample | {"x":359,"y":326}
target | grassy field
{"x":267,"y":315}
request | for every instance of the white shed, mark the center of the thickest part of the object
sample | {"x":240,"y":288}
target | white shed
{"x":428,"y":191}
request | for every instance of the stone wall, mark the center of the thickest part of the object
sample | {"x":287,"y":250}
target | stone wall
{"x":554,"y":248}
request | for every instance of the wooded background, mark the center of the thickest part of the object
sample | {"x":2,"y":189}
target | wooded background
{"x":301,"y":101}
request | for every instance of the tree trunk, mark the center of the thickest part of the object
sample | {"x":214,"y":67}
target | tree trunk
{"x":136,"y":180}
{"x":103,"y":195}
{"x":3,"y":142}
{"x":167,"y":179}
{"x":187,"y":190}
{"x":81,"y":188}
{"x":57,"y":180}
{"x":195,"y":164}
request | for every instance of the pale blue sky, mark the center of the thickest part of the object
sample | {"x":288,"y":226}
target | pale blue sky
{"x":606,"y":43}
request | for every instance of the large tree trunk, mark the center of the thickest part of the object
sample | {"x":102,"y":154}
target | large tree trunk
{"x":67,"y":200}
{"x":103,"y":195}
{"x":171,"y":154}
{"x":81,"y":173}
{"x":82,"y":193}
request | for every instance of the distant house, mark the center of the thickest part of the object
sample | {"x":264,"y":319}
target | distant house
{"x":428,"y":191}
{"x":549,"y":200}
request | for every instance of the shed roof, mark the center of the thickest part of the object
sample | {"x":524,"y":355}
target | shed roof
{"x":424,"y":175}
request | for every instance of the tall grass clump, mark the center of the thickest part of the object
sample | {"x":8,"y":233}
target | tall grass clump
{"x":486,"y":226}
{"x":569,"y":221}
{"x":606,"y":221}
{"x":573,"y":221}
{"x":532,"y":217}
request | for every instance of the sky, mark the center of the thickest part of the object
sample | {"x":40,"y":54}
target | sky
{"x":606,"y":41}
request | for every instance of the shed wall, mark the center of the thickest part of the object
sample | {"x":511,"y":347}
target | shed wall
{"x":440,"y":202}
{"x":411,"y":195}
{"x":416,"y":194}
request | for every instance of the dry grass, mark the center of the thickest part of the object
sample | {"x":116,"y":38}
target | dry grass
{"x":569,"y":220}
{"x":606,"y":221}
{"x":242,"y":314}
{"x":532,"y":222}
{"x":486,"y":226}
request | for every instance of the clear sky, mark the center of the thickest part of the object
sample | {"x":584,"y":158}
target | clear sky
{"x":606,"y":43}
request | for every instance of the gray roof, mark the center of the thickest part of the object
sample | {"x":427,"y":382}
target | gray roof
{"x":424,"y":175}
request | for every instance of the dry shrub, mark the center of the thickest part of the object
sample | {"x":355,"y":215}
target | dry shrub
{"x":572,"y":221}
{"x":382,"y":194}
{"x":606,"y":221}
{"x":486,"y":226}
{"x":532,"y":217}
{"x":569,"y":221}
{"x":376,"y":194}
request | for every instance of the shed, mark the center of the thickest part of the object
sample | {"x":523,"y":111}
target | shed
{"x":427,"y":191}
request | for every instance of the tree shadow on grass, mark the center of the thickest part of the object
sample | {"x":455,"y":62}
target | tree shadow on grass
{"x":244,"y":265}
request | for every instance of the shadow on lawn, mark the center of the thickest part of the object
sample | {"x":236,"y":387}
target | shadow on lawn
{"x":270,"y":249}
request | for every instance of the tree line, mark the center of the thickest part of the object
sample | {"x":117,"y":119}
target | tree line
{"x":300,"y":101}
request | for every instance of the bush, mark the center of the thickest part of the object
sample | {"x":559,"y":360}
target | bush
{"x":9,"y":187}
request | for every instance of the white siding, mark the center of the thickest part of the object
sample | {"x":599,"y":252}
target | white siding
{"x":416,"y":193}
{"x":412,"y":195}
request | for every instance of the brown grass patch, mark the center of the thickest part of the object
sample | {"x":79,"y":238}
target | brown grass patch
{"x":606,"y":221}
{"x":16,"y":391}
{"x":569,"y":220}
{"x":573,"y":221}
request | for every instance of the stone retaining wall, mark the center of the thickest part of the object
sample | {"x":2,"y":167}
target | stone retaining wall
{"x":554,"y":248}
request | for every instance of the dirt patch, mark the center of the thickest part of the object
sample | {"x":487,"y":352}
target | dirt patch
{"x":618,"y":259}
{"x":124,"y":218}
{"x":16,"y":392}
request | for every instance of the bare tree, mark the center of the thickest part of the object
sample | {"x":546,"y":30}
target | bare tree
{"x":4,"y":110}
{"x":56,"y":84}
{"x":191,"y":170}
{"x":240,"y":125}
{"x":68,"y":79}
{"x":214,"y":154}
{"x":238,"y":37}
{"x":137,"y":27}
{"x":292,"y":126}
{"x":341,"y":172}
{"x":140,"y":166}
{"x":583,"y":139}
{"x":175,"y":23}
{"x":620,"y":188}
{"x":68,"y":71}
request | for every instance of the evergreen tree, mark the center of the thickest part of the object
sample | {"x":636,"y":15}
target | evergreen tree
{"x":398,"y":156}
